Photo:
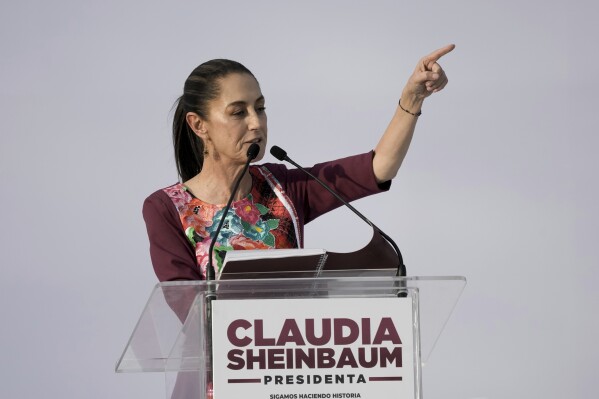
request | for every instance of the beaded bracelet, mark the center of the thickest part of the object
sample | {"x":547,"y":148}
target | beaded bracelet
{"x":417,"y":114}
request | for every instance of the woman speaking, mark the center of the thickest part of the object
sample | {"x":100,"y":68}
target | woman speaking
{"x":220,"y":115}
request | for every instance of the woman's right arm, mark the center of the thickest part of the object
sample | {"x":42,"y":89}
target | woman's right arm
{"x":172,"y":256}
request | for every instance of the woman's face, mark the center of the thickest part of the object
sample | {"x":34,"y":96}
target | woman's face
{"x":236,"y":119}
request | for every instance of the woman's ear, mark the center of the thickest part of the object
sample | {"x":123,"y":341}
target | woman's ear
{"x":197,"y":124}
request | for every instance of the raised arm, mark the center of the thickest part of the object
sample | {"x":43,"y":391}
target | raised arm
{"x":427,"y":78}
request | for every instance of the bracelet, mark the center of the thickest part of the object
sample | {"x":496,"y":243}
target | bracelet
{"x":417,"y":114}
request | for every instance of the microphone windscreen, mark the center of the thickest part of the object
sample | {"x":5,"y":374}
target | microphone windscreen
{"x":278,"y":153}
{"x":253,"y":151}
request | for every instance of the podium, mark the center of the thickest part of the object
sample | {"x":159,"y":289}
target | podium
{"x":293,"y":338}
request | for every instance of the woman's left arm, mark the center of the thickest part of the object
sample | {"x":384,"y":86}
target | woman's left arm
{"x":427,"y":78}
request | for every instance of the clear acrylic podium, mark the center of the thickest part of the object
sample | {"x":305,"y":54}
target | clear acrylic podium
{"x":171,"y":334}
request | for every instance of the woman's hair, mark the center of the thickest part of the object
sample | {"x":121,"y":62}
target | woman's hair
{"x":200,"y":88}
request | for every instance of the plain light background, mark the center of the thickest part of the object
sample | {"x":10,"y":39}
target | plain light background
{"x":500,"y":184}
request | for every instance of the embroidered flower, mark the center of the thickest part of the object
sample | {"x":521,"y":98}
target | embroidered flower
{"x":201,"y":249}
{"x":178,"y":194}
{"x":218,"y":255}
{"x":231,"y":227}
{"x":247,"y":211}
{"x":242,"y":242}
{"x":257,"y":231}
{"x":196,"y":216}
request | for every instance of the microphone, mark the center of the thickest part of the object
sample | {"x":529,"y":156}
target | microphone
{"x":252,"y":153}
{"x":281,"y":155}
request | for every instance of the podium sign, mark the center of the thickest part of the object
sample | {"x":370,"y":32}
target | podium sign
{"x":315,"y":348}
{"x":292,"y":338}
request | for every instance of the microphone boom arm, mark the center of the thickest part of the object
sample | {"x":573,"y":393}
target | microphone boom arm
{"x":281,"y":155}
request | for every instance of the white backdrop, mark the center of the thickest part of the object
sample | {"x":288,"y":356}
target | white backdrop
{"x":500,"y":184}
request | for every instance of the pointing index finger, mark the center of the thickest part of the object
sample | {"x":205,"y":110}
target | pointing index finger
{"x":435,"y":55}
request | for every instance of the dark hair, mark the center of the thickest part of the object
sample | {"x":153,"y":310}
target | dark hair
{"x":200,"y":87}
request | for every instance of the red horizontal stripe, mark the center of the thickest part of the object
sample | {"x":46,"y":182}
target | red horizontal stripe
{"x":398,"y":378}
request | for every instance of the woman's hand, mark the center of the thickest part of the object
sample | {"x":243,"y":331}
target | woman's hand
{"x":427,"y":78}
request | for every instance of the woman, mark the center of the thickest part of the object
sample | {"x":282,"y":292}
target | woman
{"x":220,"y":114}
